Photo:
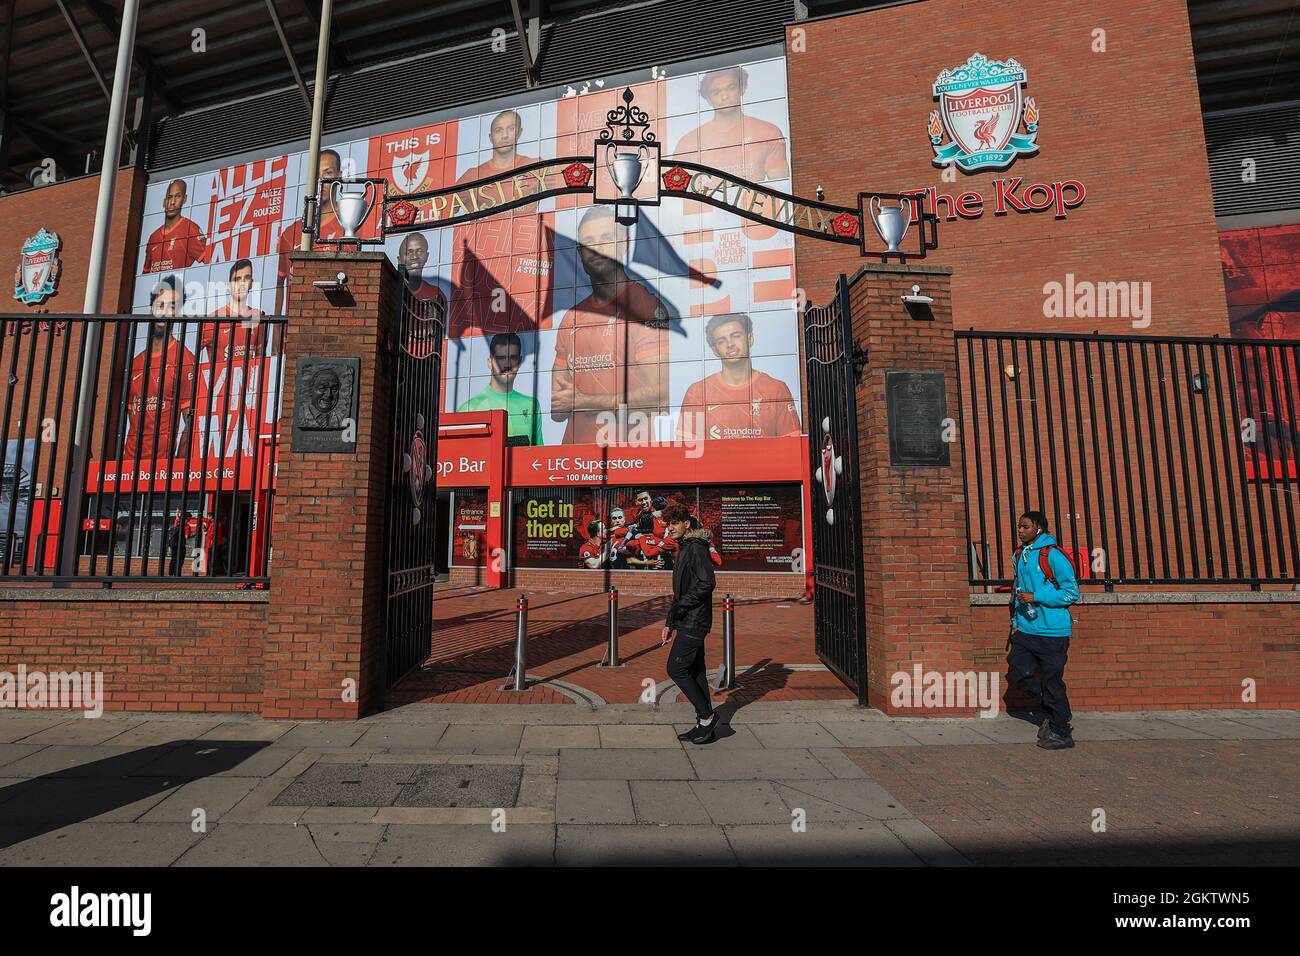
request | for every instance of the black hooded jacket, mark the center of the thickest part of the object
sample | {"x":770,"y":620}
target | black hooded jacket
{"x":693,"y":584}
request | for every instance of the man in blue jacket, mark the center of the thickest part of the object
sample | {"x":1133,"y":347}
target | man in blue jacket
{"x":1045,"y":587}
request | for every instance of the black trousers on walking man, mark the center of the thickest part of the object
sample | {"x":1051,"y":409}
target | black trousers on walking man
{"x":686,"y":669}
{"x":1037,"y":671}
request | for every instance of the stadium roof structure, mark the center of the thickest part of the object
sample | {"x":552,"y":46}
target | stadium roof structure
{"x":57,"y":56}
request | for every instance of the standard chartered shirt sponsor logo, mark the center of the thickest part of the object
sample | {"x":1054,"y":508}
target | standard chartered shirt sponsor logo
{"x":596,"y":360}
{"x":754,"y":432}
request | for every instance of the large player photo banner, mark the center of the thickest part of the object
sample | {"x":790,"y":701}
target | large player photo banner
{"x":681,"y":327}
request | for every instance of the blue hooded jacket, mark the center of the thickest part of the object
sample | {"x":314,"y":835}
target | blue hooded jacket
{"x":1053,"y":603}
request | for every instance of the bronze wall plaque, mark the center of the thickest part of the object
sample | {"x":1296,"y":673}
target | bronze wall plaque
{"x":325,"y":404}
{"x":917,"y":404}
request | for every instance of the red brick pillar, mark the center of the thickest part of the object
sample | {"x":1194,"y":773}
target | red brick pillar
{"x":913,"y":517}
{"x":328,"y":591}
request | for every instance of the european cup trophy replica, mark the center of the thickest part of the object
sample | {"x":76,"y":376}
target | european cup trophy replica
{"x":891,"y":222}
{"x":627,"y":171}
{"x":352,"y":206}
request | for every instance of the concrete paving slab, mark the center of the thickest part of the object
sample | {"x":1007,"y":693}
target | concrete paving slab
{"x":741,"y":801}
{"x":346,"y":844}
{"x":799,"y":736}
{"x":10,"y":753}
{"x":520,"y":844}
{"x":103,"y":844}
{"x":82,"y":761}
{"x":840,"y":766}
{"x":931,"y":848}
{"x":399,"y":737}
{"x":868,"y":843}
{"x":215,"y":758}
{"x":538,"y":790}
{"x":631,"y":763}
{"x":939,"y":732}
{"x":578,"y":845}
{"x":559,"y":736}
{"x":61,"y":801}
{"x":255,"y":844}
{"x":1005,"y":730}
{"x":333,"y":733}
{"x":1106,"y":728}
{"x":755,"y":764}
{"x":638,"y":735}
{"x":15,"y":726}
{"x":868,"y":734}
{"x":263,"y":730}
{"x":215,"y":796}
{"x":841,"y":800}
{"x":667,"y":803}
{"x":469,"y":738}
{"x":463,"y":816}
{"x":593,"y":801}
{"x":1282,"y":727}
{"x":154,"y":732}
{"x":83,"y":731}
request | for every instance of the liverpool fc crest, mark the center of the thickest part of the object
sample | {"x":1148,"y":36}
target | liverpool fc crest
{"x":37,"y":275}
{"x":980,"y":108}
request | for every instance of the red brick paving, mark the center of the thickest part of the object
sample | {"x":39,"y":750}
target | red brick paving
{"x":473,"y":648}
{"x":1167,"y":802}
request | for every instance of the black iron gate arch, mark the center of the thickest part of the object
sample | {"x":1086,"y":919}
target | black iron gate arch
{"x":839,"y":601}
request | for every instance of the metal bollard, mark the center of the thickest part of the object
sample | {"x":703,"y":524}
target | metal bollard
{"x":727,"y":678}
{"x":611,"y":653}
{"x":521,"y":641}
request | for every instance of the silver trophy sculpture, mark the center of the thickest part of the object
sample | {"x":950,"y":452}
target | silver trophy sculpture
{"x":891,"y":222}
{"x":627,"y":169}
{"x":351,"y":207}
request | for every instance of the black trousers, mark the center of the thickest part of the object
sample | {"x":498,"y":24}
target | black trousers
{"x":1037,"y":672}
{"x":686,"y":668}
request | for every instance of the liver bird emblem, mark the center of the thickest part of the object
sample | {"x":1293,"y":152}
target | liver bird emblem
{"x":984,"y":131}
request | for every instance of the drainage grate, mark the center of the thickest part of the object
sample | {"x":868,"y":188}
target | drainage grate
{"x":404,"y":785}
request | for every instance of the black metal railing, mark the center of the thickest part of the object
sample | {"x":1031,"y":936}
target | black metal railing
{"x":137,"y":448}
{"x":1158,"y":461}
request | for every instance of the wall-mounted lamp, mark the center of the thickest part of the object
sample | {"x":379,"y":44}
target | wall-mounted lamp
{"x":916,"y":298}
{"x":1011,"y":372}
{"x":1200,"y":383}
{"x":339,"y":281}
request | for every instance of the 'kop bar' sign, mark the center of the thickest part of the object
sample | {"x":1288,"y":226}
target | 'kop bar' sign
{"x":624,"y":170}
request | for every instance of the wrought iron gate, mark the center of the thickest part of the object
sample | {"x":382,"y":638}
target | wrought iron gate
{"x":416,"y":377}
{"x":834,"y":366}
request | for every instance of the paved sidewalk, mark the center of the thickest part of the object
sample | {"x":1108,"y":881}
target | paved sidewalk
{"x":819,"y":782}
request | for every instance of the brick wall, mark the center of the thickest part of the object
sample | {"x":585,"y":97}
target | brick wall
{"x":1127,"y":123}
{"x":68,"y":208}
{"x":913,"y":528}
{"x":162,"y":654}
{"x":1167,"y":656}
{"x":326,"y":622}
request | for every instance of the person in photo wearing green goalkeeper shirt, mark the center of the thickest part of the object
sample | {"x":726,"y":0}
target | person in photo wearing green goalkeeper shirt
{"x":505,"y":355}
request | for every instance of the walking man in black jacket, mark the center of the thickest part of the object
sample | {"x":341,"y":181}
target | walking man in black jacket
{"x":691,"y":616}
